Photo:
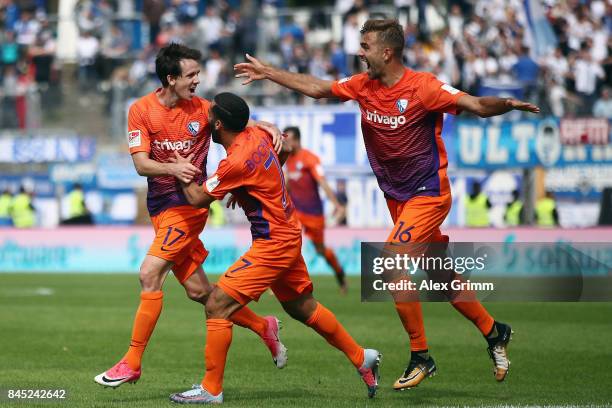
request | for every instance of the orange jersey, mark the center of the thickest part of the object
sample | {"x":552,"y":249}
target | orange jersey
{"x":253,"y":173}
{"x":303,"y":173}
{"x":160,"y":131}
{"x":402,"y":128}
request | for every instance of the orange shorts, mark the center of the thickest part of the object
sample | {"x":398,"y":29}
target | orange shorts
{"x":418,"y":219}
{"x":268,"y":264}
{"x":313,"y":226}
{"x":177,"y":239}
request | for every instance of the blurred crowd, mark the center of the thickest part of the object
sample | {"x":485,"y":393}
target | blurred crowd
{"x":27,"y":52}
{"x":476,"y":45}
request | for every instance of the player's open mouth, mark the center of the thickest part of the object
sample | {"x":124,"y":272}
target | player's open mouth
{"x":365,"y":61}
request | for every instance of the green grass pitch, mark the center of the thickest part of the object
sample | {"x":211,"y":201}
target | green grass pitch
{"x":58,"y":331}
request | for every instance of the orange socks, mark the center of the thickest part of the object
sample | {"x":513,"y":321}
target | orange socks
{"x":218,"y":340}
{"x":476,"y":312}
{"x":245,"y":317}
{"x":325,"y":323}
{"x":411,"y":315}
{"x":412,"y":318}
{"x":144,"y":323}
{"x":331,"y":259}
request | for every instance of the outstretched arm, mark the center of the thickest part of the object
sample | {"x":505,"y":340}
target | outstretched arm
{"x":306,"y":84}
{"x":486,"y":106}
{"x":339,"y":209}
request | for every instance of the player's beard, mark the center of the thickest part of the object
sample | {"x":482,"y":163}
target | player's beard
{"x":216,"y":137}
{"x":372,"y":72}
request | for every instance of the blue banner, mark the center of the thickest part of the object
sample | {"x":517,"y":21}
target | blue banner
{"x":332,"y":132}
{"x":528,"y":143}
{"x":43,"y":149}
{"x":116,"y":171}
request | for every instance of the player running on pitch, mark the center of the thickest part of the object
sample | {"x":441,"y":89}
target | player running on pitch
{"x":304,"y":176}
{"x":253,"y":172}
{"x":172,"y":119}
{"x":401,"y":122}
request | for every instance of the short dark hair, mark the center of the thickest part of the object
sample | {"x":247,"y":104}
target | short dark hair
{"x":295,"y":130}
{"x":168,"y":61}
{"x":231,"y":110}
{"x":390,"y":33}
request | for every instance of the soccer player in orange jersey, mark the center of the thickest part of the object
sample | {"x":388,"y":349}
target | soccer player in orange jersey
{"x":253,"y":172}
{"x":401,"y":121}
{"x":167,"y":121}
{"x":305,"y":175}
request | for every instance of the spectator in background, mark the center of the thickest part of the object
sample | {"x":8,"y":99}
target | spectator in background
{"x":351,"y":39}
{"x":6,"y":201}
{"x":603,"y":106}
{"x":286,"y":50}
{"x":319,"y":66}
{"x":217,"y":214}
{"x":168,"y":34}
{"x":244,"y":35}
{"x":190,"y":34}
{"x":213,"y":70}
{"x":526,"y":71}
{"x":78,"y":214}
{"x":455,"y":22}
{"x":186,"y":9}
{"x":343,"y":6}
{"x":42,"y":53}
{"x":487,"y":65}
{"x":211,"y":27}
{"x":586,"y":74}
{"x":561,"y":101}
{"x":11,"y":14}
{"x":557,"y":66}
{"x":10,"y":91}
{"x":289,"y":26}
{"x":88,"y":48}
{"x":477,"y":207}
{"x":23,"y":212}
{"x":113,"y":50}
{"x":300,"y":59}
{"x":338,"y":59}
{"x":546,"y":211}
{"x":403,"y":10}
{"x":153,"y":10}
{"x":87,"y":20}
{"x":9,"y":49}
{"x":514,"y":215}
{"x":599,"y":49}
{"x":580,"y":26}
{"x":26,"y":28}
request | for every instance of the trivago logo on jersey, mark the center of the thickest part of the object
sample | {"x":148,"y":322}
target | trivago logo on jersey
{"x":392,"y":121}
{"x":294,"y":175}
{"x":166,"y":144}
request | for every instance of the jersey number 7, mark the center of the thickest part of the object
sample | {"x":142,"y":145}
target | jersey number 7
{"x":272,"y":159}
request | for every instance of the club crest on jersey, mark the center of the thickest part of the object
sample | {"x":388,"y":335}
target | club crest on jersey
{"x":193,"y":128}
{"x":401,"y":104}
